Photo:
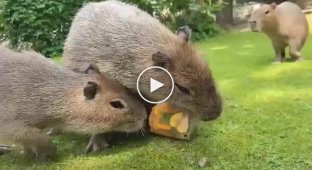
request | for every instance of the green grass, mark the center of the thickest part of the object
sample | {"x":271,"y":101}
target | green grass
{"x":266,"y":123}
{"x":58,"y":59}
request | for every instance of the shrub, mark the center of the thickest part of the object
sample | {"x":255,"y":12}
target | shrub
{"x":198,"y":15}
{"x":43,"y":25}
{"x":2,"y":35}
{"x":40,"y":24}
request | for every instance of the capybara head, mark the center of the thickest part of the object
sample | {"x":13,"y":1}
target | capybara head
{"x":195,"y":90}
{"x":105,"y":105}
{"x":263,"y":18}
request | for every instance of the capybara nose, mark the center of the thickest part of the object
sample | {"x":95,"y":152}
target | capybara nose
{"x":214,"y":112}
{"x":253,"y":25}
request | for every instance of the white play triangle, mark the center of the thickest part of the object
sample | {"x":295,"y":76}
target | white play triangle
{"x":154,"y":85}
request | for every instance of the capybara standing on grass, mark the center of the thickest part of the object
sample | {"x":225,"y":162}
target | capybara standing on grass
{"x":36,"y":94}
{"x":124,"y":40}
{"x":285,"y":25}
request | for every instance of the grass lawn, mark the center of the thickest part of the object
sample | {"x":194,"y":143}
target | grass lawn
{"x":266,"y":123}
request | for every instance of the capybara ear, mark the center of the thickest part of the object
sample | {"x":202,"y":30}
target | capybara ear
{"x":161,"y":59}
{"x":92,"y":69}
{"x":118,"y":104}
{"x":273,"y":5}
{"x":185,"y":33}
{"x":90,"y":90}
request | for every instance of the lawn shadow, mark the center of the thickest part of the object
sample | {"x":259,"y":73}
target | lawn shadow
{"x":72,"y":146}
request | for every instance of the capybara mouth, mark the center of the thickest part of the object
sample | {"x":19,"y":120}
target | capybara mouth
{"x":132,"y":126}
{"x":254,"y":29}
{"x":253,"y":26}
{"x":214,"y":117}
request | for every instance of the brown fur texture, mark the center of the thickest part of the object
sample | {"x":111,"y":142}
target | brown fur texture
{"x":122,"y":40}
{"x":285,"y":25}
{"x":36,"y":94}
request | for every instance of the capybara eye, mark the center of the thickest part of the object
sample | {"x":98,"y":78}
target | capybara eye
{"x":183,"y":89}
{"x":117,"y":104}
{"x":266,"y":12}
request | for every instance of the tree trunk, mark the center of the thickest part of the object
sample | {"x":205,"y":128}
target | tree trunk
{"x":225,"y":16}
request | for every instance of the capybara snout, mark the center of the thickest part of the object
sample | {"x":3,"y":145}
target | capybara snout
{"x":253,"y":25}
{"x":215,"y":110}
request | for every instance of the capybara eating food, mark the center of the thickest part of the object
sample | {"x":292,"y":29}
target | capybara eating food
{"x":124,"y":40}
{"x":285,"y":25}
{"x":36,"y":94}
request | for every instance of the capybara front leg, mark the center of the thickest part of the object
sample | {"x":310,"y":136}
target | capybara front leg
{"x":294,"y":51}
{"x":98,"y":142}
{"x":279,"y":52}
{"x":36,"y":144}
{"x":283,"y":55}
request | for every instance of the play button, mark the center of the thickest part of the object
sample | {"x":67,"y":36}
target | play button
{"x":155,"y":85}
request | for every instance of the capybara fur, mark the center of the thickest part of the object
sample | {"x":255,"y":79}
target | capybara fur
{"x":38,"y":94}
{"x":124,"y":40}
{"x":285,"y":25}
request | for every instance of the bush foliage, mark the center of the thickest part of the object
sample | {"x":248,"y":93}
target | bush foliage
{"x":2,"y":37}
{"x":199,"y":15}
{"x":43,"y":25}
{"x":40,"y":24}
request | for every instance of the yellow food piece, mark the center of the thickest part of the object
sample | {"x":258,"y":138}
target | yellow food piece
{"x":176,"y":119}
{"x":183,"y":125}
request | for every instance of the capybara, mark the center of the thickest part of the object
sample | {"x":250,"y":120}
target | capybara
{"x":124,"y":40}
{"x":38,"y":94}
{"x":285,"y":25}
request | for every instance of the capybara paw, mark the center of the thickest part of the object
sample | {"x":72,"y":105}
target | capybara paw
{"x":46,"y":154}
{"x":29,"y":153}
{"x":293,"y":59}
{"x":96,"y":144}
{"x":279,"y":60}
{"x":44,"y":151}
{"x":296,"y":59}
{"x":5,"y":149}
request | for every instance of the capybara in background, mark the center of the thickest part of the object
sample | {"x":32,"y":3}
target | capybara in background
{"x":36,"y":94}
{"x":285,"y":25}
{"x":124,"y":40}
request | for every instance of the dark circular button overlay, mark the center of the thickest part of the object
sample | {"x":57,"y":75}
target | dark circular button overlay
{"x":154,"y":85}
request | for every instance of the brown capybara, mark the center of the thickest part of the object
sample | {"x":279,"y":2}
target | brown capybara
{"x":124,"y":40}
{"x":36,"y":94}
{"x":285,"y":25}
